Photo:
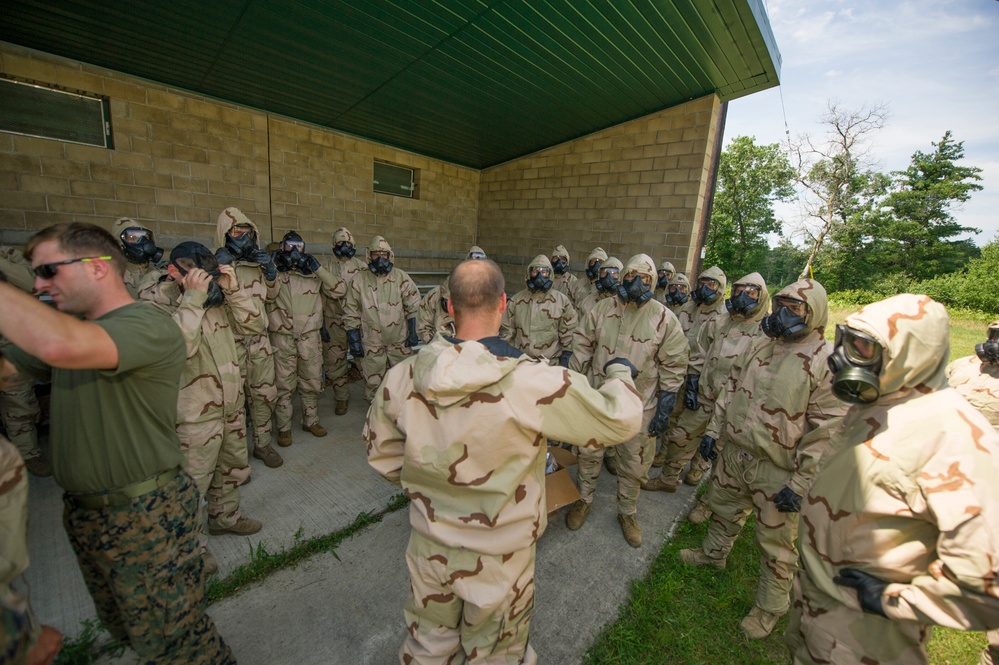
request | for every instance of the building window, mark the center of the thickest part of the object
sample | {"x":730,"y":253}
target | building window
{"x":35,"y":110}
{"x":395,"y":180}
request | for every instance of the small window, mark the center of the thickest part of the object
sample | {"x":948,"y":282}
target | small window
{"x":395,"y":180}
{"x":36,"y":110}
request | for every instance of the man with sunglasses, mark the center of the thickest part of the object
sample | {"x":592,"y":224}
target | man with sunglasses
{"x":131,"y":512}
{"x":901,"y":518}
{"x":141,"y":252}
{"x":342,"y":265}
{"x":539,"y":320}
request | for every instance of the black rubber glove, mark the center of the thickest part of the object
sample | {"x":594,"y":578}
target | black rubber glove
{"x":354,"y":343}
{"x":224,"y":256}
{"x":563,"y":359}
{"x":325,"y":334}
{"x":664,"y":409}
{"x":266,"y":264}
{"x":625,"y":362}
{"x":787,"y":500}
{"x":281,"y":261}
{"x":690,"y":391}
{"x":707,"y":448}
{"x":412,"y":339}
{"x":309,"y":265}
{"x":869,"y":589}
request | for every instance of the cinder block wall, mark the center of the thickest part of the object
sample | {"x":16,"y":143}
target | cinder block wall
{"x":637,"y":187}
{"x":179,"y":159}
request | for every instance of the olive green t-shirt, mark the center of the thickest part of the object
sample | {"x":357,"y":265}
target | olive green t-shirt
{"x":111,"y":428}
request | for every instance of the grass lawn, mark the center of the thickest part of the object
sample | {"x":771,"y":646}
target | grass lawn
{"x":683,"y":614}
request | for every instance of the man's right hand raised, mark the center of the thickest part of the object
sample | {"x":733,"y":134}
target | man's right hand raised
{"x":196,"y":279}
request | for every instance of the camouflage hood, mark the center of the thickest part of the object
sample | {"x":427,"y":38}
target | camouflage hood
{"x":539,"y":260}
{"x":666,"y":265}
{"x":613,"y":263}
{"x":598,"y":254}
{"x":123,"y":223}
{"x":229,"y":218}
{"x":756,"y":279}
{"x":643,"y":265}
{"x":560,"y":250}
{"x":446,"y":373}
{"x":814,"y":295}
{"x":343,"y":235}
{"x":716,"y":273}
{"x":380,"y":244}
{"x":681,"y":279}
{"x":914,"y":331}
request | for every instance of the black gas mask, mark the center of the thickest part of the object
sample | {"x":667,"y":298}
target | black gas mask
{"x":676,"y":294}
{"x":705,"y":294}
{"x":379,"y":263}
{"x":291,"y":255}
{"x":539,"y":279}
{"x":560,"y":265}
{"x":138,"y":245}
{"x":202,"y":258}
{"x":988,"y":351}
{"x":635,"y":290}
{"x":856,"y":364}
{"x":444,"y":305}
{"x":744,"y":301}
{"x":608,"y":280}
{"x":663,"y":278}
{"x":593,"y":270}
{"x":344,"y":250}
{"x":783,"y":323}
{"x":241,"y":241}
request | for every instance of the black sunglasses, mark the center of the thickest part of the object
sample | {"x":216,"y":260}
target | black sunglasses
{"x":49,"y":270}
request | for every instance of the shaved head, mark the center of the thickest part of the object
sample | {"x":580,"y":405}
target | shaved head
{"x":476,"y":287}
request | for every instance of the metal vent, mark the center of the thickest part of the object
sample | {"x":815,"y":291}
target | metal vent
{"x":35,"y":110}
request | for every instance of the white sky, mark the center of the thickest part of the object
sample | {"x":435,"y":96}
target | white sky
{"x":935,"y":63}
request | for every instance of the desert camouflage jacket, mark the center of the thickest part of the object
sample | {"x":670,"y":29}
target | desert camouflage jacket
{"x":380,"y":305}
{"x":703,"y":327}
{"x":432,"y":318}
{"x":977,"y":382}
{"x":17,"y":629}
{"x":540,"y":324}
{"x":298,"y":307}
{"x":345,"y":269}
{"x":250,"y":276}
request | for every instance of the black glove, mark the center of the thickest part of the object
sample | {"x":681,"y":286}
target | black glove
{"x":869,"y":589}
{"x":707,"y":448}
{"x":664,"y":409}
{"x":788,"y":501}
{"x":282,"y":263}
{"x":324,"y":334}
{"x":563,"y":359}
{"x":354,"y":343}
{"x":625,"y":362}
{"x":412,"y":339}
{"x":309,"y":265}
{"x":224,"y":256}
{"x":690,"y":391}
{"x":266,"y":263}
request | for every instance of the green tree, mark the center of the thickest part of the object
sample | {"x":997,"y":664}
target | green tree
{"x":782,"y":265}
{"x":750,"y":178}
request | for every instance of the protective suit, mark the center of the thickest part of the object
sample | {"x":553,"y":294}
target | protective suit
{"x":733,"y":336}
{"x":605,"y":287}
{"x":586,"y":286}
{"x":540,"y":322}
{"x":666,"y":274}
{"x":648,"y":335}
{"x":901,"y":519}
{"x":479,"y":508}
{"x":775,"y":421}
{"x":377,"y":311}
{"x":343,"y":265}
{"x":140,"y":266}
{"x":678,"y":301}
{"x":433,"y":317}
{"x":564,"y":280}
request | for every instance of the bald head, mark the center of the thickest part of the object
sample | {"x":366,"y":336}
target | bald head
{"x":476,"y":287}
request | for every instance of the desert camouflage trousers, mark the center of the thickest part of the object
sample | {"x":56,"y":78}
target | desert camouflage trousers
{"x":634,"y":459}
{"x":298,"y":364}
{"x":215,"y":456}
{"x":821,"y":630}
{"x":743,"y":484}
{"x":19,"y":410}
{"x":683,"y":441}
{"x":335,"y":360}
{"x":376,"y":362}
{"x":143,"y":568}
{"x":467,"y":607}
{"x":256,"y":364}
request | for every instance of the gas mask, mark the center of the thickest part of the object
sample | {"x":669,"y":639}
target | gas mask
{"x":344,"y":250}
{"x":705,"y":295}
{"x":241,"y":242}
{"x":559,"y":265}
{"x":608,"y":280}
{"x":783,"y":323}
{"x":593,"y":270}
{"x":291,"y":254}
{"x":676,"y":295}
{"x":216,"y":297}
{"x":380,"y":265}
{"x":635,"y":290}
{"x":662,"y":281}
{"x":138,"y":245}
{"x":540,"y":280}
{"x":856,"y":363}
{"x":744,"y":301}
{"x":988,"y":352}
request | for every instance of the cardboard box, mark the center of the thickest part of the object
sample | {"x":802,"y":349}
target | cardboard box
{"x":560,"y":489}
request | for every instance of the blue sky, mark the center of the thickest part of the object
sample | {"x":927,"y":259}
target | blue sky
{"x":934,"y":63}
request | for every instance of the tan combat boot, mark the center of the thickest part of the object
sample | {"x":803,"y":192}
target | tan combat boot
{"x":208,"y":562}
{"x":284,"y":439}
{"x":660,"y":484}
{"x":693,"y":477}
{"x":629,"y":527}
{"x":268,"y":456}
{"x":341,"y":407}
{"x":758,"y":623}
{"x":244,"y":526}
{"x":38,"y":466}
{"x":577,"y":515}
{"x":660,"y":459}
{"x":699,"y":558}
{"x":699,"y":513}
{"x":315,"y":429}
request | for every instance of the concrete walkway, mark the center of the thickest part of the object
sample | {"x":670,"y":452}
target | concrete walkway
{"x":348,"y":608}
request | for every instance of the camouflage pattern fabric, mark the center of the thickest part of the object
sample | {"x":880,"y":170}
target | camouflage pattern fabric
{"x":593,"y":297}
{"x":17,"y":268}
{"x":634,"y":458}
{"x":432,"y":319}
{"x":18,"y":628}
{"x":776,"y":419}
{"x":20,"y":412}
{"x":142,"y":565}
{"x":911,"y":497}
{"x":566,"y":282}
{"x":539,"y":324}
{"x":380,"y":305}
{"x":684,"y":311}
{"x":584,"y":285}
{"x":335,"y":351}
{"x":458,"y":426}
{"x":703,"y":326}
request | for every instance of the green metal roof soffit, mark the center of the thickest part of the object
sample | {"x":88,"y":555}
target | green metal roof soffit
{"x":475,"y":82}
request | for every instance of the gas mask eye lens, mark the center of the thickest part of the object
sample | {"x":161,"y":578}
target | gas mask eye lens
{"x":994,"y":334}
{"x":861,"y":349}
